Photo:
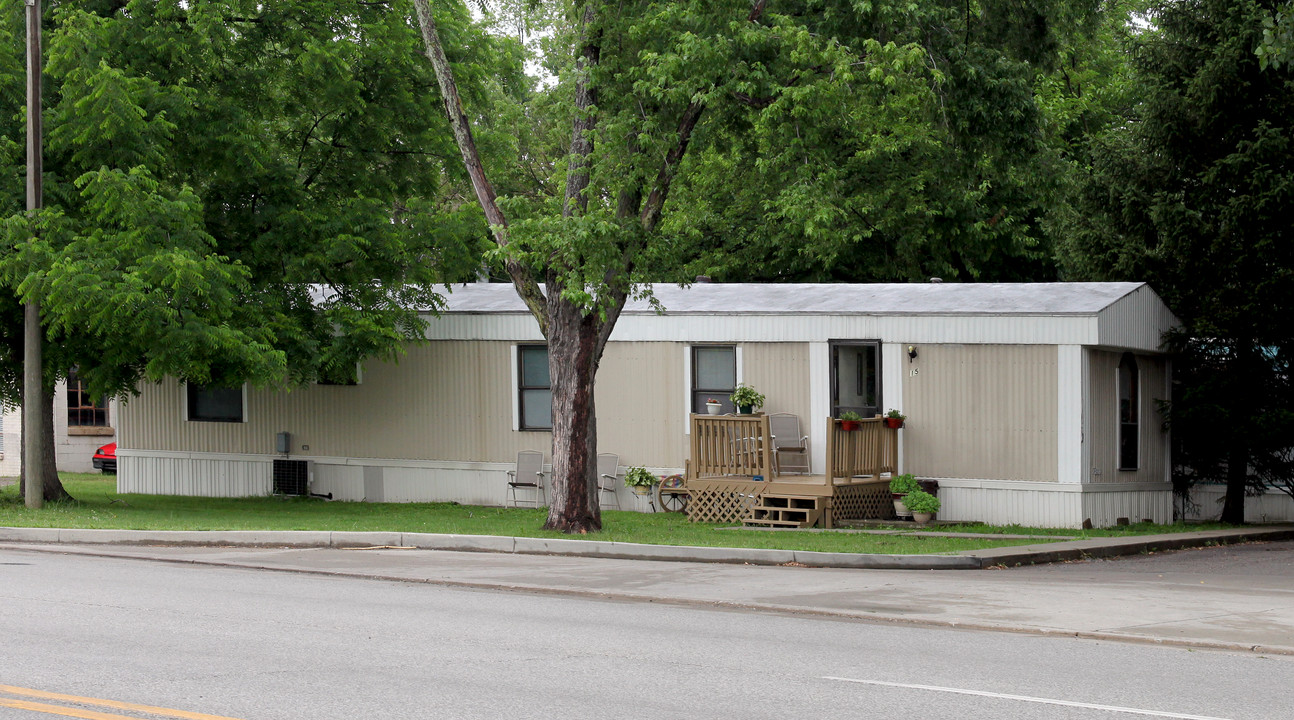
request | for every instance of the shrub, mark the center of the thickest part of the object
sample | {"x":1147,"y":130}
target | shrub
{"x":903,"y":485}
{"x":920,"y":501}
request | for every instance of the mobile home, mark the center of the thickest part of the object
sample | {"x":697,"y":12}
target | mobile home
{"x":1028,"y":403}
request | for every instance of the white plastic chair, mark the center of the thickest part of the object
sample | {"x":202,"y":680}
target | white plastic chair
{"x":608,"y":477}
{"x":528,"y":475}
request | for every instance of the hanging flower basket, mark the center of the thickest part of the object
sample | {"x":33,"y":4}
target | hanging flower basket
{"x":850,"y":421}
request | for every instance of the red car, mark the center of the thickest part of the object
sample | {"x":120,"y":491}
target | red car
{"x":105,"y":458}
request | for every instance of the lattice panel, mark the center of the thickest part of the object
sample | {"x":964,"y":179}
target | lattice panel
{"x":863,"y":502}
{"x":721,"y":503}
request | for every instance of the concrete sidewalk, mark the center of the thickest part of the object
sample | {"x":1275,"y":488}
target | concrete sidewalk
{"x":1234,"y":598}
{"x":1045,"y":552}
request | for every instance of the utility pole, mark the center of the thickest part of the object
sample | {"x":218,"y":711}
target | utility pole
{"x":33,"y":394}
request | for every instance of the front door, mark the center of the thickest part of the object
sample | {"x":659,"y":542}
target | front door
{"x":856,"y":377}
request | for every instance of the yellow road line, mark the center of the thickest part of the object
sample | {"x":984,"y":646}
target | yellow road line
{"x":91,"y":715}
{"x":60,"y":710}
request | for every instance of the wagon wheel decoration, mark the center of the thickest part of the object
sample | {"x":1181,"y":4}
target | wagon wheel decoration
{"x":672,"y":494}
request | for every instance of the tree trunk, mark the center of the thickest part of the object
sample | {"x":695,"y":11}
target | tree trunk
{"x":573,"y":354}
{"x":54,"y":489}
{"x":576,"y":338}
{"x":1233,"y":507}
{"x":1243,"y":412}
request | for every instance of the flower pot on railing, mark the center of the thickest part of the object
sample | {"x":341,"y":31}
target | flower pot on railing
{"x":894,"y":419}
{"x":713,"y":407}
{"x":850,"y":421}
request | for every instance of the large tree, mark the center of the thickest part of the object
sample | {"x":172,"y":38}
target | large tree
{"x":830,"y":139}
{"x":237,"y":190}
{"x":1191,"y":194}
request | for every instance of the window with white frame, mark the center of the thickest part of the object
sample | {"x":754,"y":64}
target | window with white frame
{"x":714,"y":375}
{"x":534,"y":388}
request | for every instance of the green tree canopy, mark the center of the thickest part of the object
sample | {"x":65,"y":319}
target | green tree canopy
{"x":775,"y":139}
{"x":240,"y":190}
{"x":1190,"y":195}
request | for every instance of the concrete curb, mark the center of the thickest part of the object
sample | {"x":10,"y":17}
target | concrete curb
{"x":1114,"y":547}
{"x":967,"y":560}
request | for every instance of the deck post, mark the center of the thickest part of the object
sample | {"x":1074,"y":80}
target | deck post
{"x":831,"y":450}
{"x":767,"y":449}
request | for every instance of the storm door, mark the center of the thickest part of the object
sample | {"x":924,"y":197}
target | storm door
{"x":856,"y":377}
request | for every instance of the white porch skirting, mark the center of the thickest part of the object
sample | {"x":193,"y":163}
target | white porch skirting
{"x":999,"y":502}
{"x":1271,"y":506}
{"x":1058,"y":505}
{"x":156,"y":472}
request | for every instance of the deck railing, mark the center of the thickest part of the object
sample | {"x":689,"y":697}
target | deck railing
{"x":870,"y":450}
{"x":728,"y":445}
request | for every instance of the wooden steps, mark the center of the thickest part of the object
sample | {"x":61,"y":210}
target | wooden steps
{"x":790,"y":511}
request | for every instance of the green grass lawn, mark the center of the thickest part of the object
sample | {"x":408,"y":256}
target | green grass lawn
{"x":98,"y":505}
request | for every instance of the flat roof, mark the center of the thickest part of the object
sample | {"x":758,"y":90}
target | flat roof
{"x":1077,"y":298}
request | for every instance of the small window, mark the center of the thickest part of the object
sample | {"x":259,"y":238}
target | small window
{"x":714,"y":375}
{"x":1129,"y":413}
{"x":535,"y":389}
{"x":215,"y":404}
{"x":348,"y":377}
{"x":81,"y":410}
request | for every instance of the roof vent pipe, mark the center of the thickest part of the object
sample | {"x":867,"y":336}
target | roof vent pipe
{"x":703,"y":278}
{"x":936,"y":280}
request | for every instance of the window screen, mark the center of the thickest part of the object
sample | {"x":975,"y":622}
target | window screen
{"x":1129,"y":413}
{"x":535,"y":393}
{"x":215,"y":404}
{"x":855,"y":377}
{"x":714,"y":375}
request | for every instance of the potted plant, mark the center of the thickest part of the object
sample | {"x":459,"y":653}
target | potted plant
{"x":901,"y":486}
{"x":894,"y":419}
{"x":639,"y":480}
{"x":747,"y":399}
{"x":850,"y":421}
{"x":922,"y":504}
{"x":712,"y":406}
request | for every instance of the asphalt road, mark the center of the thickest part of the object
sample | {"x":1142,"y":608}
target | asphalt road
{"x":255,"y":644}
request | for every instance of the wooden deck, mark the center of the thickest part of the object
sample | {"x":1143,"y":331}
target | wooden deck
{"x":732,"y":478}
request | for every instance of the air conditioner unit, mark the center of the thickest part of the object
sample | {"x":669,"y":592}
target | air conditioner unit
{"x":292,"y":477}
